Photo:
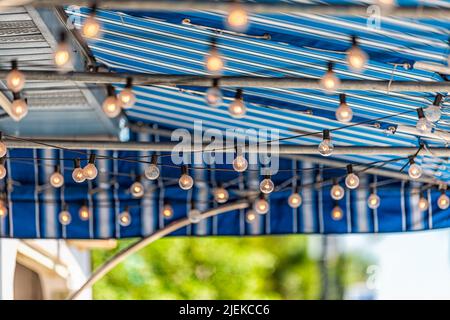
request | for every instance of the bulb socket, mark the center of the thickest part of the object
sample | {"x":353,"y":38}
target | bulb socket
{"x":438,"y":99}
{"x":76,"y":163}
{"x":184,"y":169}
{"x":65,"y":206}
{"x":420,"y":113}
{"x":342,"y":98}
{"x":349,"y":169}
{"x":2,"y":161}
{"x":57,"y":168}
{"x":354,"y":41}
{"x":1,"y":135}
{"x":154,"y":159}
{"x":330,"y":66}
{"x":92,"y":158}
{"x":14,"y":65}
{"x":129,"y":83}
{"x":326,"y":134}
{"x":215,"y":83}
{"x":411,"y":160}
{"x":262,"y":196}
{"x":62,"y":37}
{"x":137,"y":178}
{"x":110,"y":90}
{"x":267,"y":176}
{"x":16,"y":96}
{"x":212,"y":43}
{"x":238,"y":94}
{"x":94,"y":8}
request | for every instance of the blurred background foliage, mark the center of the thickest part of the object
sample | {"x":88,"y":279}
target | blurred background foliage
{"x":275,"y":267}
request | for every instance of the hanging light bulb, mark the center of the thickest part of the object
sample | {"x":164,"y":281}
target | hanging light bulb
{"x":423,"y":203}
{"x":90,"y":170}
{"x":91,"y":26}
{"x":356,"y":57}
{"x":344,"y":113}
{"x":77,"y":174}
{"x":152,"y":172}
{"x":220,"y":194}
{"x":2,"y":168}
{"x":111,"y":105}
{"x":266,"y":186}
{"x":433,"y":113}
{"x":126,"y":96}
{"x":214,"y":95}
{"x":237,"y":108}
{"x":352,"y":180}
{"x":443,"y":200}
{"x":19,"y":108}
{"x":337,"y":213}
{"x":326,"y":146}
{"x":414,"y":171}
{"x":84,"y":213}
{"x":330,"y":82}
{"x":3,"y":209}
{"x":295,"y":199}
{"x":214,"y":62}
{"x":423,"y":125}
{"x":194,"y":215}
{"x":15,"y":80}
{"x":167,"y":210}
{"x":56,"y":178}
{"x":261,"y":205}
{"x":62,"y":56}
{"x":137,"y":189}
{"x":125,"y":218}
{"x":3,"y":148}
{"x":386,"y":5}
{"x":64,"y":216}
{"x":240,"y":164}
{"x":373,"y":201}
{"x":237,"y":18}
{"x":186,"y":182}
{"x":337,"y":192}
{"x":250,"y":216}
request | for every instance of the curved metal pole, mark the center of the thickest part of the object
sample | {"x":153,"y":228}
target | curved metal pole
{"x":126,"y":252}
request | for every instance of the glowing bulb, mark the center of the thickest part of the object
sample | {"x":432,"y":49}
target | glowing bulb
{"x":373,"y":202}
{"x":78,"y":175}
{"x":3,"y":209}
{"x":261,"y":206}
{"x":194,"y":216}
{"x":356,"y":58}
{"x":344,"y":113}
{"x":3,"y":149}
{"x":65,"y":218}
{"x":330,"y":82}
{"x":167,"y":211}
{"x":62,"y":55}
{"x":443,"y":201}
{"x":111,"y":107}
{"x":152,"y":172}
{"x":137,"y":189}
{"x":84,"y":213}
{"x":2,"y":171}
{"x":415,"y":171}
{"x":90,"y":171}
{"x":266,"y":186}
{"x":386,"y":5}
{"x":214,"y":61}
{"x":125,"y":218}
{"x":213,"y":96}
{"x":423,"y":204}
{"x":352,"y":181}
{"x":15,"y":80}
{"x":19,"y":109}
{"x":237,"y":108}
{"x":91,"y":27}
{"x":337,"y":192}
{"x":127,"y":98}
{"x":237,"y":18}
{"x":250,"y":216}
{"x":295,"y":200}
{"x":240,"y":164}
{"x":221,"y":195}
{"x":326,"y":147}
{"x":186,"y":182}
{"x":56,"y":180}
{"x":337,"y":213}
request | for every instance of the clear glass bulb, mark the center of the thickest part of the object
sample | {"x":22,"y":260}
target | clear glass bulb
{"x":266,"y":186}
{"x":356,"y":59}
{"x":91,"y":28}
{"x":127,"y":98}
{"x":237,"y":108}
{"x":111,"y":107}
{"x":423,"y":204}
{"x":237,"y":18}
{"x":373,"y":202}
{"x":124,"y":218}
{"x":65,"y":218}
{"x":329,"y":82}
{"x":194,"y":216}
{"x":424,"y":126}
{"x":221,"y":195}
{"x":295,"y":200}
{"x":186,"y":182}
{"x":3,"y":209}
{"x":240,"y":164}
{"x":261,"y":206}
{"x":62,"y":55}
{"x":56,"y":180}
{"x":352,"y":181}
{"x":337,"y":213}
{"x":19,"y":109}
{"x":3,"y":149}
{"x":2,"y":171}
{"x":344,"y":113}
{"x":152,"y":172}
{"x":415,"y":171}
{"x":84,"y":213}
{"x":443,"y":202}
{"x":167,"y":211}
{"x":214,"y":62}
{"x":90,"y":171}
{"x":15,"y":80}
{"x":137,"y":189}
{"x":78,"y":175}
{"x":337,"y":192}
{"x":433,"y":113}
{"x":214,"y":97}
{"x":326,"y":147}
{"x":250,"y":216}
